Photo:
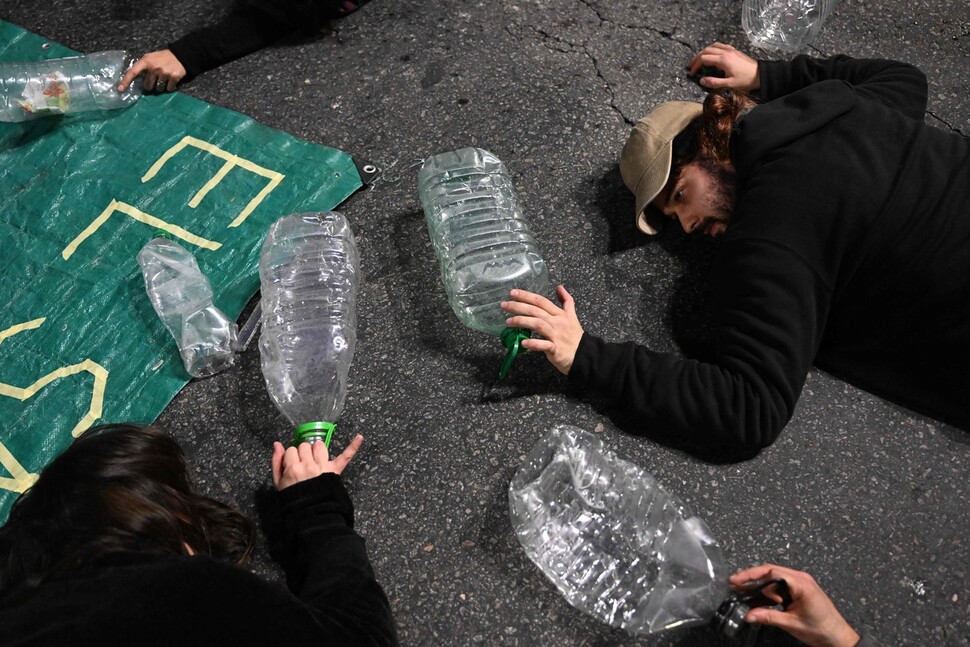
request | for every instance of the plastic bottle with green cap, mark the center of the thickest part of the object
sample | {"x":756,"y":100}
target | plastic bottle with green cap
{"x":309,"y":274}
{"x":183,"y":299}
{"x":484,"y":245}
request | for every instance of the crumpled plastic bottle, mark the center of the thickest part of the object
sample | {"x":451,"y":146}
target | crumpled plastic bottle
{"x":183,"y":299}
{"x":483,"y":243}
{"x":784,"y":25}
{"x":614,"y":542}
{"x":309,"y":274}
{"x":59,"y":86}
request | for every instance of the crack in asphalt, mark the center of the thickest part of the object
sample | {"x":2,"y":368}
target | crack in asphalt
{"x":945,"y":123}
{"x":572,"y":48}
{"x":603,"y":19}
{"x":609,"y":87}
{"x":669,"y":35}
{"x":565,"y":46}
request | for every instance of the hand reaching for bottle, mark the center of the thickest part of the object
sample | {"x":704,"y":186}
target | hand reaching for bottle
{"x":162,"y":71}
{"x":811,"y":617}
{"x":740,"y":70}
{"x":295,"y":464}
{"x":559,"y":327}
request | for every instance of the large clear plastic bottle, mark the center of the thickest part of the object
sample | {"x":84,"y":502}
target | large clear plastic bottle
{"x":182,"y":296}
{"x":309,"y":274}
{"x":483,"y":244}
{"x":784,"y":25}
{"x":58,"y":86}
{"x":615,"y":543}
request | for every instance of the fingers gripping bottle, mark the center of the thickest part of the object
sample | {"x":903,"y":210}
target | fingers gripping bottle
{"x":482,"y":242}
{"x":309,"y":274}
{"x":182,"y":297}
{"x":58,"y":86}
{"x":613,"y":541}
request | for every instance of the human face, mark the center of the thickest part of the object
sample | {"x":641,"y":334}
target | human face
{"x":702,"y":198}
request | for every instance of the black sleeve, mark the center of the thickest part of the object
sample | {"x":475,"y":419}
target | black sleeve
{"x":328,"y":568}
{"x":250,"y":27}
{"x":897,"y":85}
{"x":244,"y":31}
{"x":769,"y":312}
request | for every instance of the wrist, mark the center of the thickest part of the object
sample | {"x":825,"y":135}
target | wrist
{"x":846,"y":636}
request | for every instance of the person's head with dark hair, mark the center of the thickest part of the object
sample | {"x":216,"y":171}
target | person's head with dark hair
{"x":119,"y":488}
{"x":677,"y":162}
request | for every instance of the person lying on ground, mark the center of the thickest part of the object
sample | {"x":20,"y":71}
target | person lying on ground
{"x":844,"y":229}
{"x":811,"y":617}
{"x":113,"y":545}
{"x":249,"y":27}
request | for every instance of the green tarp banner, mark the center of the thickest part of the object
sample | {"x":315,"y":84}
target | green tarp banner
{"x":79,"y":196}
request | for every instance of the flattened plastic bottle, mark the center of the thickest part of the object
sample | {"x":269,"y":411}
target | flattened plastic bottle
{"x":182,"y":297}
{"x":614,"y":542}
{"x":784,"y":25}
{"x":58,"y":86}
{"x":309,"y":274}
{"x":483,"y":244}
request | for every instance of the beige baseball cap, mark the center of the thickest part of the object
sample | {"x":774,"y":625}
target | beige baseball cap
{"x":647,"y":156}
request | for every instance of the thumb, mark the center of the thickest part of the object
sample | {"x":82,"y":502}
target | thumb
{"x":774,"y":618}
{"x":714,"y":82}
{"x":566,"y":299}
{"x":277,"y":463}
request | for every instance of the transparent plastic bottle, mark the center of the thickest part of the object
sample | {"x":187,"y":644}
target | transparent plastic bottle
{"x":613,"y":541}
{"x":309,"y":274}
{"x":784,"y":25}
{"x":483,"y":244}
{"x":58,"y":86}
{"x":183,"y":299}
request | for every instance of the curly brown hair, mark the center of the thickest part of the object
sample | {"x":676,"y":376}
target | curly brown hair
{"x":118,"y":488}
{"x":707,"y":139}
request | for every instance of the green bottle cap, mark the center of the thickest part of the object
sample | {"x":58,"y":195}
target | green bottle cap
{"x":161,"y":233}
{"x":512,"y":340}
{"x":311,"y":432}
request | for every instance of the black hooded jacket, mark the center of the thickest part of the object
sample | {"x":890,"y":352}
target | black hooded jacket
{"x":849,"y":248}
{"x":151,"y":599}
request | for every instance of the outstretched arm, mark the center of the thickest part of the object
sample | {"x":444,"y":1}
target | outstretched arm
{"x":769,"y":310}
{"x":899,"y":86}
{"x":327,"y":565}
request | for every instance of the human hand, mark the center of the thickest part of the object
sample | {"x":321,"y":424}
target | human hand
{"x":740,"y":70}
{"x":559,"y":327}
{"x":162,"y":70}
{"x":295,"y":464}
{"x":811,"y":617}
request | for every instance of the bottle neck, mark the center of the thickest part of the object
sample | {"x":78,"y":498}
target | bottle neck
{"x":312,"y":432}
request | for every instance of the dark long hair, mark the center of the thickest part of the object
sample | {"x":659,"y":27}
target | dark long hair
{"x":707,"y":139}
{"x":118,"y":488}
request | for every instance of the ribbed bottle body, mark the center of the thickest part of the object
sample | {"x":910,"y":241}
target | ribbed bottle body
{"x":616,"y":544}
{"x":483,"y":243}
{"x":309,"y":275}
{"x":33,"y":89}
{"x":784,"y":25}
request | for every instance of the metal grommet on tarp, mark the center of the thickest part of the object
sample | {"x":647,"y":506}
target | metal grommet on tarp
{"x":367,"y":170}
